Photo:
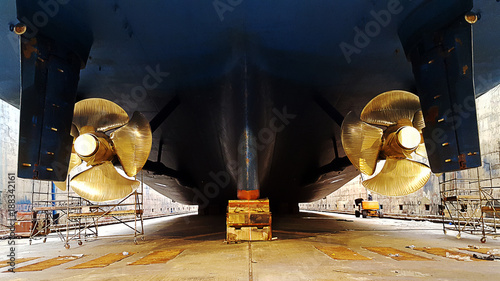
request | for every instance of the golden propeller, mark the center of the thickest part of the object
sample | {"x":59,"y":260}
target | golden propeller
{"x":103,"y":134}
{"x":390,"y":128}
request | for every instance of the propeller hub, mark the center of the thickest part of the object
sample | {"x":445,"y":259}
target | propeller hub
{"x":86,"y":145}
{"x":408,"y":137}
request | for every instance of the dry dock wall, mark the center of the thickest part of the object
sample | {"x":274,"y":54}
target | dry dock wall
{"x":426,"y":201}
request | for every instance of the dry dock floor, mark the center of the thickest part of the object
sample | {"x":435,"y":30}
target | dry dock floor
{"x":308,"y":246}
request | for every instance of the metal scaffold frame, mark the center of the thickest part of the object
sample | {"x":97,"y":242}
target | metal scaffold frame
{"x":470,"y":205}
{"x":82,"y":216}
{"x":86,"y":219}
{"x":47,"y":211}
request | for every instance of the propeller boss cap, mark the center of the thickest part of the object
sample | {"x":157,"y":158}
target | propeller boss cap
{"x":86,"y":145}
{"x":408,"y":137}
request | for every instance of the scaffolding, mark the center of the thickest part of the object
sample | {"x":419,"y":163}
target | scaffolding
{"x":85,"y":220}
{"x":81,"y":216}
{"x":47,"y":211}
{"x":470,"y":204}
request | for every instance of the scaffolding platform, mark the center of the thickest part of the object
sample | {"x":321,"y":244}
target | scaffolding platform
{"x":74,"y":218}
{"x":111,"y":213}
{"x":85,"y":219}
{"x":46,"y":211}
{"x":470,"y":204}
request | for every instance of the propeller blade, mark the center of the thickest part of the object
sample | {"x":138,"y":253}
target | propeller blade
{"x":74,"y":131}
{"x":399,"y":177}
{"x":418,"y":120}
{"x":132,"y":143}
{"x":61,"y":185}
{"x":361,"y":142}
{"x":98,"y":115}
{"x":74,"y":161}
{"x":389,"y":107}
{"x":102,"y":183}
{"x":421,"y":150}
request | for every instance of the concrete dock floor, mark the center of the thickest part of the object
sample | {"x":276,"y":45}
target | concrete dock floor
{"x":293,"y":255}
